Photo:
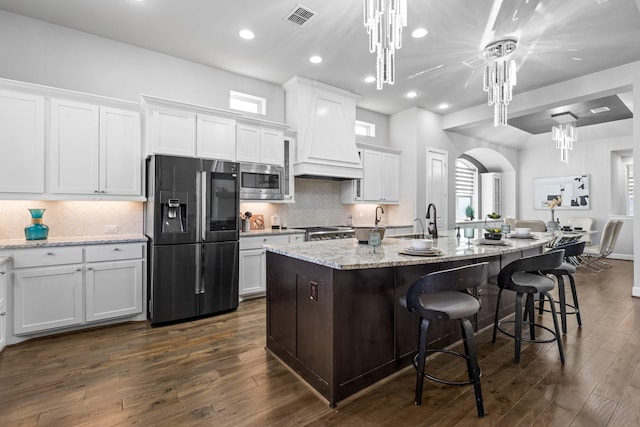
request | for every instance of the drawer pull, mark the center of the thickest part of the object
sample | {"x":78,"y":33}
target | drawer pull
{"x":50,"y":253}
{"x":4,"y":313}
{"x":117,"y":249}
{"x":78,"y":269}
{"x":3,"y":272}
{"x":89,"y":268}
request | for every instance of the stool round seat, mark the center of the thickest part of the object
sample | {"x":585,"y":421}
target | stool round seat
{"x":444,"y":295}
{"x":448,"y":305}
{"x":530,"y":283}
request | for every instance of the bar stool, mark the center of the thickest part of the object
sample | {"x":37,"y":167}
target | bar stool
{"x":522,"y":276}
{"x":443,"y":295}
{"x":571,"y":250}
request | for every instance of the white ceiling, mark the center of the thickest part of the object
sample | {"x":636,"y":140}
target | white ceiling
{"x":558,"y":40}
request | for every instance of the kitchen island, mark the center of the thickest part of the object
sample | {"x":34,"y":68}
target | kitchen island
{"x":333,"y":314}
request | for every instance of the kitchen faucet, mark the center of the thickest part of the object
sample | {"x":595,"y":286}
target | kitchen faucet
{"x":421,"y":225}
{"x":433,"y":226}
{"x":381,"y":212}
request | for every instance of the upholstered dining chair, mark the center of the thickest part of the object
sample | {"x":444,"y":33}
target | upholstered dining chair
{"x":533,"y":224}
{"x":583,"y":222}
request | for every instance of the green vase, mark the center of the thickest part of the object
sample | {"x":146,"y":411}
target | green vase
{"x":36,"y":230}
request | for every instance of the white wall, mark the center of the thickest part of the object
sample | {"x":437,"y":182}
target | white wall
{"x":37,"y":52}
{"x":382,"y":127}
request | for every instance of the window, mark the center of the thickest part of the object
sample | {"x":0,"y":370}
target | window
{"x":247,"y":103}
{"x":466,"y":188}
{"x":365,"y":128}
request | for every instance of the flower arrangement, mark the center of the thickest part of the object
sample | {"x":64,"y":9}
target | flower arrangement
{"x":552,"y":204}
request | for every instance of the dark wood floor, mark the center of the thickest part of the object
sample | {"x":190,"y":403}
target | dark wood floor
{"x":216,"y":372}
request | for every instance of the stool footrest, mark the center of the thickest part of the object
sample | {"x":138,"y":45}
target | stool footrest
{"x":537,"y":325}
{"x":441,"y":380}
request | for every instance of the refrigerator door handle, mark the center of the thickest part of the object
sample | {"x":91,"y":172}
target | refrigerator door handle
{"x":201,"y":182}
{"x":198,"y":284}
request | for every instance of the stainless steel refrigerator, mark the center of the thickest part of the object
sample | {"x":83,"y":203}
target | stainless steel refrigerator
{"x":192,"y":221}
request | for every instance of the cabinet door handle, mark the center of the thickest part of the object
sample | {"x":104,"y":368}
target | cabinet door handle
{"x":50,"y":253}
{"x":4,"y":313}
{"x":89,"y":268}
{"x":3,"y":272}
{"x":95,"y":191}
{"x":117,"y":249}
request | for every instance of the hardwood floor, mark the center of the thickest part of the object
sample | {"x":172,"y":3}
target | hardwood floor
{"x":216,"y":372}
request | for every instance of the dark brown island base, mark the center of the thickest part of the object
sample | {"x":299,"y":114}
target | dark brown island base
{"x":333,"y":314}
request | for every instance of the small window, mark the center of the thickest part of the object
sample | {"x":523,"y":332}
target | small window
{"x":466,"y":188}
{"x":365,"y":128}
{"x":247,"y":103}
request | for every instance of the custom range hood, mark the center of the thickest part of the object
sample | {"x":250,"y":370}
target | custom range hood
{"x":324,"y":118}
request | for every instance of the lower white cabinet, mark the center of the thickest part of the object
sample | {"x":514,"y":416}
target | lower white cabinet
{"x":3,"y":306}
{"x":253,"y":268}
{"x":68,"y":286}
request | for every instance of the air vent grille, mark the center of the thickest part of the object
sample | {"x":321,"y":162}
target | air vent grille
{"x":475,"y":62}
{"x":599,"y":110}
{"x":300,"y":15}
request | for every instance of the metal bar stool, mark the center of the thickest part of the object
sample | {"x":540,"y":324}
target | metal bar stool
{"x":443,"y":295}
{"x":522,"y":276}
{"x":567,"y":268}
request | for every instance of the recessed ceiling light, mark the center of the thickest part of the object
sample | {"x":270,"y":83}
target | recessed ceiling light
{"x":412,"y":94}
{"x":315,"y":59}
{"x":247,"y":34}
{"x":443,"y":106}
{"x":577,"y":59}
{"x":419,"y":33}
{"x":369,"y":79}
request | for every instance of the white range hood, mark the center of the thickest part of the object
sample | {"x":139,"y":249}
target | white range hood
{"x":324,"y":117}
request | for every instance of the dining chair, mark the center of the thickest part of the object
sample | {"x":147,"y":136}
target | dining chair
{"x":533,"y":224}
{"x":583,"y":222}
{"x":593,"y":256}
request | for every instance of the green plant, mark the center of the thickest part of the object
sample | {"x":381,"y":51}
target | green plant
{"x":469,"y":212}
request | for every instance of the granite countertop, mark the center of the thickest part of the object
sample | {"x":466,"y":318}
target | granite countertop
{"x":4,"y":259}
{"x":72,"y":241}
{"x":270,"y":232}
{"x":348,"y":254}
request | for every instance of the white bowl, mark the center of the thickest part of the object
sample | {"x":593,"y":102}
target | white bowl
{"x":523,"y":231}
{"x":421,"y":244}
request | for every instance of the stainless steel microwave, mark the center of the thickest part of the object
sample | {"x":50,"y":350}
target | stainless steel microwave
{"x":261,"y":182}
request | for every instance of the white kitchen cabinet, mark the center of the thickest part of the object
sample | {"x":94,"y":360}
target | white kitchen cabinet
{"x":94,"y":150}
{"x":491,"y":193}
{"x":22,"y":140}
{"x":47,"y":289}
{"x":380,"y":181}
{"x":57,"y":287}
{"x":3,"y":306}
{"x":257,"y":144}
{"x":173,"y":132}
{"x":216,"y":138}
{"x":253,"y":270}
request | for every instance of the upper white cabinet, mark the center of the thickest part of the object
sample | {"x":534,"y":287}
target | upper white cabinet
{"x":186,"y":133}
{"x":94,"y":150}
{"x":257,"y":144}
{"x":380,"y":181}
{"x":216,"y":137}
{"x":173,"y":132}
{"x":22,"y":139}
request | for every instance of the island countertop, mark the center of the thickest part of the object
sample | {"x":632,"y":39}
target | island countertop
{"x":348,"y":254}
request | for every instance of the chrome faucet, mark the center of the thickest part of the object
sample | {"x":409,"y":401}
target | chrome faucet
{"x":421,"y":225}
{"x":433,"y":225}
{"x":381,"y":212}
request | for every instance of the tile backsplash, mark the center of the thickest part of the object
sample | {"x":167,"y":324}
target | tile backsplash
{"x":71,"y":218}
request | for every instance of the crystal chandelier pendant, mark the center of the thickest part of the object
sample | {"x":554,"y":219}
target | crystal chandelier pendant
{"x":499,"y":78}
{"x":564,"y":134}
{"x":384,"y":20}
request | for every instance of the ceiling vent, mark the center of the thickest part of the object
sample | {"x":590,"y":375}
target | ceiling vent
{"x":475,"y":62}
{"x":300,"y":15}
{"x":599,"y":110}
